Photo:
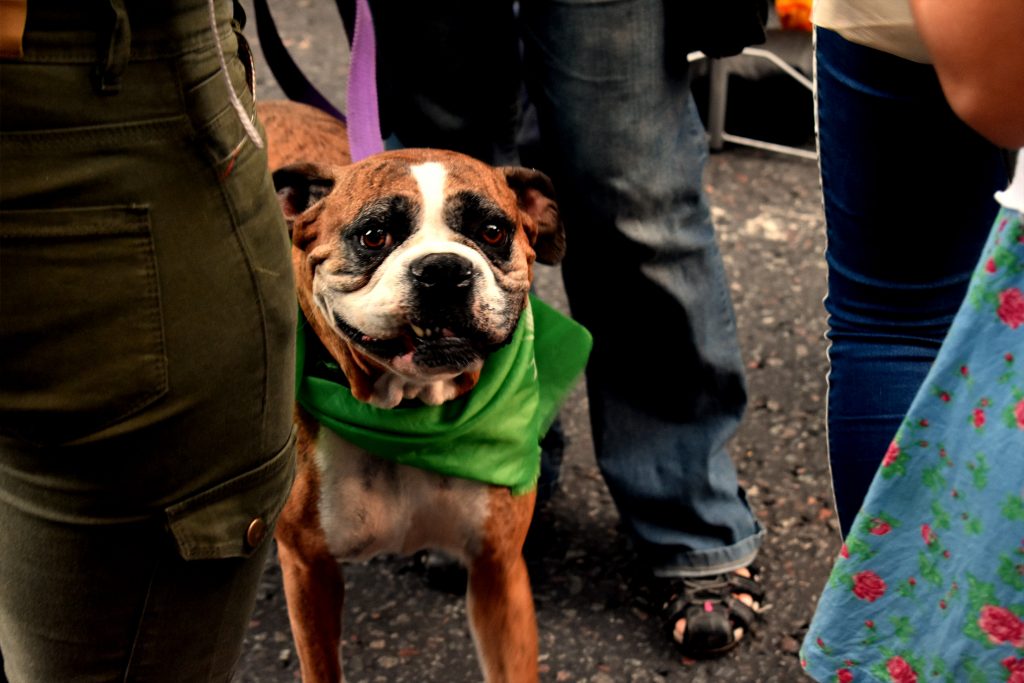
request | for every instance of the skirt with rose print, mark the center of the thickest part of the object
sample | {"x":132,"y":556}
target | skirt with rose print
{"x":929,"y":585}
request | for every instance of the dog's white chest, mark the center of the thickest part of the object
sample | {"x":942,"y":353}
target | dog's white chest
{"x":371,"y":506}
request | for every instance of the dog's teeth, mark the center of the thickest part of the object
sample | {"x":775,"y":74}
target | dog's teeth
{"x":418,"y":331}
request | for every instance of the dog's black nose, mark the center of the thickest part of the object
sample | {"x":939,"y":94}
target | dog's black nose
{"x":442,"y":271}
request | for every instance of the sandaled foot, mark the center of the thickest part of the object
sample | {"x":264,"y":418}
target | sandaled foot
{"x":708,"y":616}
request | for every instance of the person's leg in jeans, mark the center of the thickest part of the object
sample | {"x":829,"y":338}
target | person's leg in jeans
{"x":908,"y":202}
{"x":644,"y":274}
{"x":622,"y":137}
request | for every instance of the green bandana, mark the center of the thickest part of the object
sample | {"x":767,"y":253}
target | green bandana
{"x":492,"y":434}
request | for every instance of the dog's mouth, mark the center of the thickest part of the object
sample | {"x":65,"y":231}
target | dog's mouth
{"x":431,"y":346}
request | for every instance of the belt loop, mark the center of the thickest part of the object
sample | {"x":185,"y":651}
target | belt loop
{"x":112,"y":64}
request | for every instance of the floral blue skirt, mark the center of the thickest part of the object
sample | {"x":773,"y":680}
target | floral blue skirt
{"x":929,"y":585}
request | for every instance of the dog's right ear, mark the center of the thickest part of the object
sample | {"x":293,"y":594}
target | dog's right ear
{"x":299,"y":187}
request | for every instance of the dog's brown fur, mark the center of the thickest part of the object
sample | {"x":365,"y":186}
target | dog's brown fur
{"x":390,"y":507}
{"x":323,"y":138}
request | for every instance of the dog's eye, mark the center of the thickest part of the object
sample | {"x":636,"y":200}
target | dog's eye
{"x":376,"y":238}
{"x":492,"y":234}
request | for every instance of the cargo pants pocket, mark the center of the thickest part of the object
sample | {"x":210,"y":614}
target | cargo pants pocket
{"x":234,"y":518}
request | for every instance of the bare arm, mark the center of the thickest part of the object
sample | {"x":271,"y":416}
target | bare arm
{"x":978,"y":50}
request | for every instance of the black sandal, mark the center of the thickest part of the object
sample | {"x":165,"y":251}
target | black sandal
{"x":711,"y":611}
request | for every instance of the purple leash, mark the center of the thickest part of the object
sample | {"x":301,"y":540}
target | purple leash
{"x":364,"y":136}
{"x":363,"y":118}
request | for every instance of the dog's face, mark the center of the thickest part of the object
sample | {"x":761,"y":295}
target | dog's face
{"x":418,"y":262}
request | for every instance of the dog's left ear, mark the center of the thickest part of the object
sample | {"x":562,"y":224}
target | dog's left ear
{"x":537,"y":200}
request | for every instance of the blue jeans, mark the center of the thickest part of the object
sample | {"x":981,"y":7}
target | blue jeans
{"x":626,"y":150}
{"x":908,"y":204}
{"x":621,"y":138}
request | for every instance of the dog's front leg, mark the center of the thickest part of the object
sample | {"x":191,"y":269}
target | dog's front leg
{"x":499,"y":600}
{"x":311,"y":576}
{"x":315,"y":592}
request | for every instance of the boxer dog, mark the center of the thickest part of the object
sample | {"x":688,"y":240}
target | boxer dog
{"x":412,"y":266}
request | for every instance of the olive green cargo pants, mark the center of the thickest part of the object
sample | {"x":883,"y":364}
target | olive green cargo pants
{"x":147,"y":318}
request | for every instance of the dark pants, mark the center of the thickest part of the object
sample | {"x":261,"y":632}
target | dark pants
{"x":147,"y":319}
{"x":908,"y":204}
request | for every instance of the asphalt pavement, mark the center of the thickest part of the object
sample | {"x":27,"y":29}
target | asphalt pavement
{"x":598,"y":621}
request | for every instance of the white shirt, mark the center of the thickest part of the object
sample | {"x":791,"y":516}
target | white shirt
{"x":886,"y":25}
{"x":1013,"y":196}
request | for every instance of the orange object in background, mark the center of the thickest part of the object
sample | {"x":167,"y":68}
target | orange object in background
{"x":795,"y":15}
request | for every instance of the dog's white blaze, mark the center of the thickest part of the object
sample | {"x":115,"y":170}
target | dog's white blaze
{"x":433,"y":235}
{"x":431,"y":177}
